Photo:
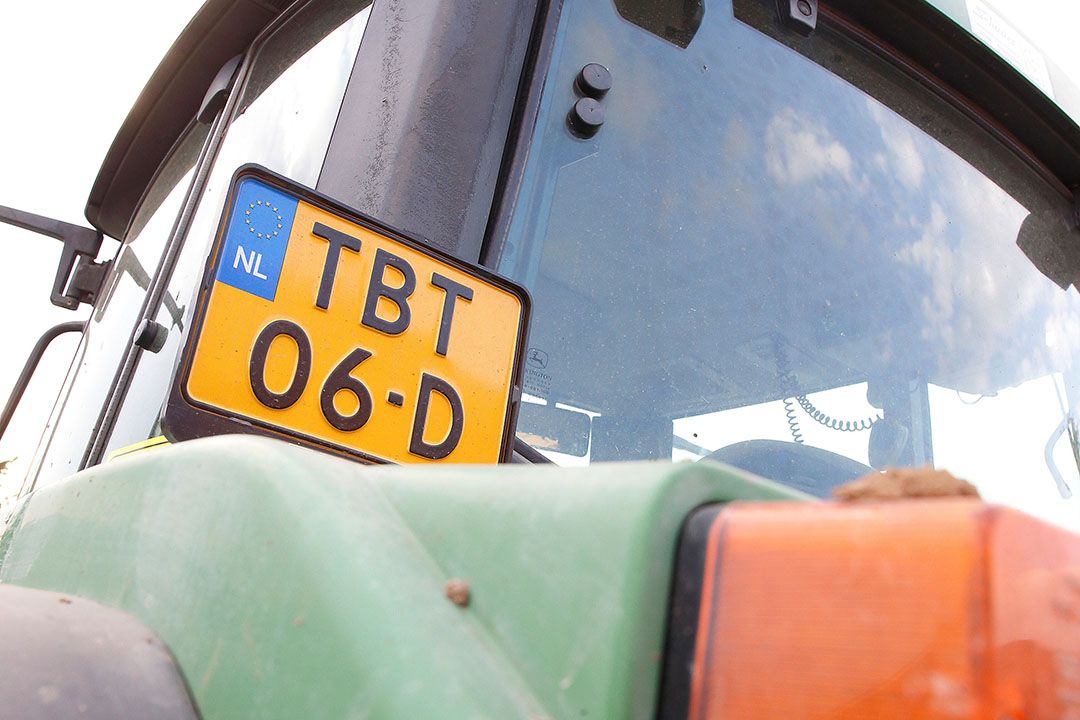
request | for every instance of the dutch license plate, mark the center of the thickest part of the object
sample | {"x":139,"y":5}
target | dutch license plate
{"x":330,"y":329}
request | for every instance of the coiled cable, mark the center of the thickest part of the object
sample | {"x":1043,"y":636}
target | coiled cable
{"x":788,"y":385}
{"x":831,"y":423}
{"x":792,"y":420}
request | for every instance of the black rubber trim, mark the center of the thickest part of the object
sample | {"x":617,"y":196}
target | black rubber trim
{"x":684,"y":615}
{"x":522,"y":127}
{"x":922,"y":40}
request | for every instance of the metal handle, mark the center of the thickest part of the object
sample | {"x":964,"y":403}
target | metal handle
{"x":31,"y":365}
{"x":1048,"y":455}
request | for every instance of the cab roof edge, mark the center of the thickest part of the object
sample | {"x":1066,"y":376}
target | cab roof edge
{"x":1004,"y":98}
{"x":220,"y":30}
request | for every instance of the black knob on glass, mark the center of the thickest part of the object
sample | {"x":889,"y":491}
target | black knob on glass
{"x":593,"y":81}
{"x":586,"y":117}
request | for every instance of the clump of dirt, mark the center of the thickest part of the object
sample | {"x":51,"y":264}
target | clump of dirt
{"x":899,"y":483}
{"x":458,"y":592}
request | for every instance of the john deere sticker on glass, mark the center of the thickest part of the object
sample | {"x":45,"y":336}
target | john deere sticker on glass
{"x":320,"y":325}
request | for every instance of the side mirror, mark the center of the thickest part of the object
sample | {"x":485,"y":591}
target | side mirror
{"x":78,"y":276}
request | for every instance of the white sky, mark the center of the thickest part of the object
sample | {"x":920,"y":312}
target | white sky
{"x":1050,"y":25}
{"x":71,"y":71}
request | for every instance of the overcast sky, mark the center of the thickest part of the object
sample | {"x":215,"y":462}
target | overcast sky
{"x":71,"y":70}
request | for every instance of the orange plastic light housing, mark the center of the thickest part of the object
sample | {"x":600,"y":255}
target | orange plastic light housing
{"x":915,"y":609}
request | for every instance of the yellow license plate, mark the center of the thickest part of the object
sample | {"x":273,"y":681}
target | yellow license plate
{"x":325,"y":327}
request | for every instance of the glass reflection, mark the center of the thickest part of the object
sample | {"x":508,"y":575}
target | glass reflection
{"x":748,"y":228}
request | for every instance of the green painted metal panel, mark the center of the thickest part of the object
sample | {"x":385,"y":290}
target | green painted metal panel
{"x":290,"y":583}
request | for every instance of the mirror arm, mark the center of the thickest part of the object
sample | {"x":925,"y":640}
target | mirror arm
{"x":77,"y":263}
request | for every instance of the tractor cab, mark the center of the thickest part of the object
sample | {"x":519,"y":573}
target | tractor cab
{"x":408,"y":294}
{"x":810,"y":240}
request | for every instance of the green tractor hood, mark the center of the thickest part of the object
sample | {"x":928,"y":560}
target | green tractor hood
{"x":290,"y":583}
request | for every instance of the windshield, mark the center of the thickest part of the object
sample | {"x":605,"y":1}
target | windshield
{"x":804,"y":267}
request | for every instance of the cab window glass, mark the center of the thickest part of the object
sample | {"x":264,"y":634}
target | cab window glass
{"x":803,"y":268}
{"x":287,"y":109}
{"x":110,"y":325}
